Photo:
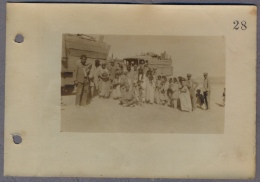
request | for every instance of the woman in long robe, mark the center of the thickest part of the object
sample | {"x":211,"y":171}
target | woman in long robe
{"x":176,"y":92}
{"x":150,"y":87}
{"x":105,"y":83}
{"x":163,"y":91}
{"x":185,"y":97}
{"x":152,"y":90}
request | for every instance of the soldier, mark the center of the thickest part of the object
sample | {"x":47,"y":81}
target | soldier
{"x":207,"y":90}
{"x":192,"y":85}
{"x":82,"y":81}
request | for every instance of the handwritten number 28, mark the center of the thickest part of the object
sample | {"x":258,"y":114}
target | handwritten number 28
{"x":239,"y":25}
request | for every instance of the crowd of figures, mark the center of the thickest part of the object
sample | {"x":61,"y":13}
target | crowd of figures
{"x":135,"y":84}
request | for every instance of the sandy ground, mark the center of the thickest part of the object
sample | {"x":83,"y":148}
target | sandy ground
{"x":107,"y":116}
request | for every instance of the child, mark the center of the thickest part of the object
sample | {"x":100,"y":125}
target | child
{"x":200,"y":98}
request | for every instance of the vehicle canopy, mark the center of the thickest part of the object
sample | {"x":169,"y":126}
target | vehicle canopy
{"x":75,"y":45}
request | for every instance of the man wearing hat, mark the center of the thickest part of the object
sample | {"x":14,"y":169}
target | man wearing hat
{"x":207,"y":90}
{"x":192,"y":85}
{"x":82,"y":81}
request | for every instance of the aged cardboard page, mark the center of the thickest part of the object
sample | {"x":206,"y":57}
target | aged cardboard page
{"x":138,"y":91}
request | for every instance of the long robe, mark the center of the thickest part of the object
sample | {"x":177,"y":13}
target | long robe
{"x":105,"y":83}
{"x":163,"y":91}
{"x":176,"y":92}
{"x":142,"y":90}
{"x":190,"y":85}
{"x":157,"y":90}
{"x":96,"y":71}
{"x":185,"y":99}
{"x":150,"y":89}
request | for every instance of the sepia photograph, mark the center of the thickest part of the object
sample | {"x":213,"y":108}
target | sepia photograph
{"x":142,"y":84}
{"x":130,"y":91}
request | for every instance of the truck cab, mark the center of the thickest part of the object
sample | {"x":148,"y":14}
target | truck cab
{"x":163,"y":66}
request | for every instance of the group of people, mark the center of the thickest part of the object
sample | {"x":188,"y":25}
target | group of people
{"x":135,"y":84}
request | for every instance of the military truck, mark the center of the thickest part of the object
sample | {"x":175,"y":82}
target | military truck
{"x":162,"y":63}
{"x":73,"y":46}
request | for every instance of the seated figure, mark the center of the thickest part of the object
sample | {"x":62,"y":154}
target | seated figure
{"x":128,"y":98}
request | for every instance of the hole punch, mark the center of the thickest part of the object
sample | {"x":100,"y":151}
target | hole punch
{"x":19,"y":38}
{"x":17,"y":139}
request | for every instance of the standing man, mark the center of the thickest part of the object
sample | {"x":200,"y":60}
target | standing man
{"x":207,"y":90}
{"x":192,"y":85}
{"x":82,"y":81}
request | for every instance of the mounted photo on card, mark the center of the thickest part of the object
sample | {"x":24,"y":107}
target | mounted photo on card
{"x":130,"y":91}
{"x":152,"y":84}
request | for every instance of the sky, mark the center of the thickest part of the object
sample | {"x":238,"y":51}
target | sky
{"x":190,"y":54}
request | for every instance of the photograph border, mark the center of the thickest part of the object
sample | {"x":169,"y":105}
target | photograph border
{"x":56,"y":179}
